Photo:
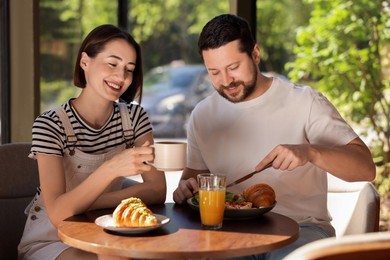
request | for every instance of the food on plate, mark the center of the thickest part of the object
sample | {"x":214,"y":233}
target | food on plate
{"x":238,"y":205}
{"x":236,"y":201}
{"x":132,"y":212}
{"x":232,"y":197}
{"x":232,"y":201}
{"x":256,"y":196}
{"x":261,"y":195}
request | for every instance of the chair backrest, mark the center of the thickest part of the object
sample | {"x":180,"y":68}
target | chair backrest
{"x":373,"y":246}
{"x":18,"y":184}
{"x":354,"y":206}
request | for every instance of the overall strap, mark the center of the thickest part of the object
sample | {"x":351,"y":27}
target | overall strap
{"x":127,"y":125}
{"x":71,"y":138}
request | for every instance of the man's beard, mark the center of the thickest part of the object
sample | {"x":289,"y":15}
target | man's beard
{"x":248,"y":88}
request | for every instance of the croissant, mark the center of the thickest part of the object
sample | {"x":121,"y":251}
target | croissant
{"x":261,"y":195}
{"x":132,"y":212}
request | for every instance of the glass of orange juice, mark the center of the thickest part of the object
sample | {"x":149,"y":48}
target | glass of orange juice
{"x":212,"y":190}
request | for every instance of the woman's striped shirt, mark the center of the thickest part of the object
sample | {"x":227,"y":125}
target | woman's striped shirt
{"x":48,"y":133}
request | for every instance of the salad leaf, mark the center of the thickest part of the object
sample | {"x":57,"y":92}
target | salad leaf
{"x":195,"y":199}
{"x":230,"y":196}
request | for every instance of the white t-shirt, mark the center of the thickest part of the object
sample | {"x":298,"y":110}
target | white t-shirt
{"x":232,"y":138}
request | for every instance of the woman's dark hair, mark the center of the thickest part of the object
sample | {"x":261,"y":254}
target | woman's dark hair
{"x":223,"y":29}
{"x":95,"y":42}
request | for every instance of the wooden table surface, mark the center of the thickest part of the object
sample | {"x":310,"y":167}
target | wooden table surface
{"x":183,"y":237}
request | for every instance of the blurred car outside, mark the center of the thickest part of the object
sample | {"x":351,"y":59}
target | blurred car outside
{"x":169,"y":95}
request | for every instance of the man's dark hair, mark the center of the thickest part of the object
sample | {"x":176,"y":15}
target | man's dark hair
{"x":223,"y":29}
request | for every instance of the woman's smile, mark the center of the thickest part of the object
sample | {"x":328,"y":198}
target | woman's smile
{"x":113,"y":85}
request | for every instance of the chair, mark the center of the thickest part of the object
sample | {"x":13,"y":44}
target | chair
{"x":18,"y":183}
{"x":354,"y":206}
{"x":373,"y":246}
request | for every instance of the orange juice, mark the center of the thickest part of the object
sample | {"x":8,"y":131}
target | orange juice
{"x":212,"y":206}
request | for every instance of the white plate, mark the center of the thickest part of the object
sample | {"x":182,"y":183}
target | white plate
{"x":107,"y":222}
{"x":238,"y":213}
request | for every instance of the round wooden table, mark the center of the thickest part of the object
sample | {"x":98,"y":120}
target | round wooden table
{"x":183,"y":237}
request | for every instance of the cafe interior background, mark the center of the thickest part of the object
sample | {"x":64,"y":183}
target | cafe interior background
{"x":340,"y":47}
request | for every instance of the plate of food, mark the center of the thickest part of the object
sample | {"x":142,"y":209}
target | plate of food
{"x":254,"y":202}
{"x":132,"y":216}
{"x":108,"y":223}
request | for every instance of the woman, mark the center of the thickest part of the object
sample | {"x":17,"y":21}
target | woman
{"x":81,"y":146}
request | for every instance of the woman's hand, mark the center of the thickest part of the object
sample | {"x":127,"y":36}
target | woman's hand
{"x":131,"y":161}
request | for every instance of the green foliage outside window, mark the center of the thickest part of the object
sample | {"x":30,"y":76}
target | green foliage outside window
{"x":345,"y":53}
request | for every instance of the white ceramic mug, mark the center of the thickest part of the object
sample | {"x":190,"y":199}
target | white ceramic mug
{"x":169,"y":155}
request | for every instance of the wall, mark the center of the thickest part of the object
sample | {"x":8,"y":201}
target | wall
{"x":24,"y":67}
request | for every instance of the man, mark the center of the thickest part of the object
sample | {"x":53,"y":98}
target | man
{"x":252,"y":120}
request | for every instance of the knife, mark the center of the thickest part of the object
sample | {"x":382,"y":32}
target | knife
{"x":248,"y":175}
